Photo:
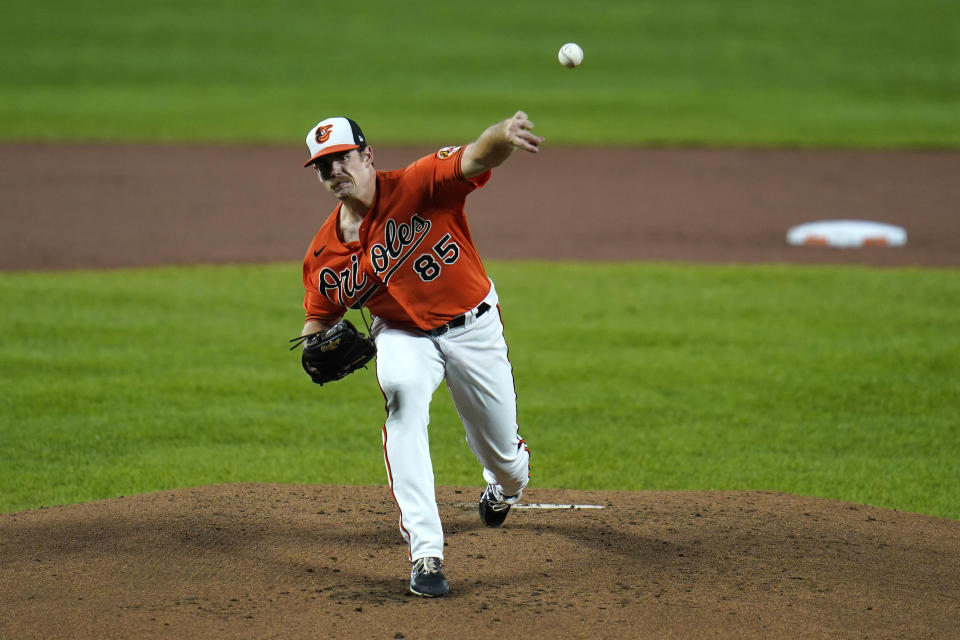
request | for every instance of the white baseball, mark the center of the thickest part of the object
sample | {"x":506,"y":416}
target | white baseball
{"x":571,"y":55}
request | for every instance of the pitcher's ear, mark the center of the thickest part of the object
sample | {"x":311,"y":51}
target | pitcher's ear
{"x":367,"y":153}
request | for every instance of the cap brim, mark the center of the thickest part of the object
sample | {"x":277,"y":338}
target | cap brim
{"x":337,"y":148}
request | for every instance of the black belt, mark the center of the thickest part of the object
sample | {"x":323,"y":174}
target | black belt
{"x":459,"y":321}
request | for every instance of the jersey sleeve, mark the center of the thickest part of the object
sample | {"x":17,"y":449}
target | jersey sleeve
{"x":440,"y":177}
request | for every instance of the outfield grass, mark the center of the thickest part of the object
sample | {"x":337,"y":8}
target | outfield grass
{"x":863,"y":73}
{"x":833,"y":382}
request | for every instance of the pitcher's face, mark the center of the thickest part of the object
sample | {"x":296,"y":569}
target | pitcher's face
{"x":345,"y":174}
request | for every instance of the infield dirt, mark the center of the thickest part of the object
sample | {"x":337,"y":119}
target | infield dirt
{"x":113,"y":206}
{"x":271,"y":561}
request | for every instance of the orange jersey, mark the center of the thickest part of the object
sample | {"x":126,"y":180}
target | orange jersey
{"x":415,"y":263}
{"x":334,"y":281}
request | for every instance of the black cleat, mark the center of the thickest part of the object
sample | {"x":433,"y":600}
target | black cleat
{"x":426,"y":578}
{"x":494,"y":507}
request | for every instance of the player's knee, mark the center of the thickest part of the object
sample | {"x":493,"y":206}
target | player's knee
{"x":405,"y":392}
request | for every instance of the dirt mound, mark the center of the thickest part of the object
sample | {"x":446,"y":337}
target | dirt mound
{"x":284,"y":561}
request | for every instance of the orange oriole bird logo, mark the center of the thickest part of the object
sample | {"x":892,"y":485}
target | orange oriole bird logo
{"x":323,"y":133}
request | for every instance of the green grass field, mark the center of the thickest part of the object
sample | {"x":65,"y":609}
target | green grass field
{"x":864,"y":73}
{"x":833,"y":382}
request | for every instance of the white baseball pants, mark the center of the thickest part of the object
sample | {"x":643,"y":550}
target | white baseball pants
{"x":473,"y":361}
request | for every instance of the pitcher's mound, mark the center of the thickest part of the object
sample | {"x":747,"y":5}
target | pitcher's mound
{"x":284,"y":561}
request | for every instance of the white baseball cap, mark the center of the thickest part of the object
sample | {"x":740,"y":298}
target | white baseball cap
{"x":333,"y":135}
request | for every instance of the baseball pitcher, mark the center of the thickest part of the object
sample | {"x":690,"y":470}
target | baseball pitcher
{"x":397,"y":243}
